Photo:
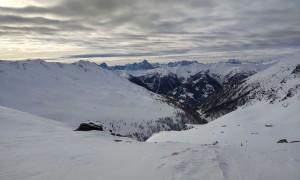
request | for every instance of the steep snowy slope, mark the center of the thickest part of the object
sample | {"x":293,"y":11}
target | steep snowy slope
{"x":74,"y":93}
{"x":277,"y":83}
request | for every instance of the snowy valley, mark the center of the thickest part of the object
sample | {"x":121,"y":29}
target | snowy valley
{"x":250,"y":106}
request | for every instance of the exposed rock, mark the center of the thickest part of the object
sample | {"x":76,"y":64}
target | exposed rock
{"x":88,"y":126}
{"x":118,"y":140}
{"x":161,"y":84}
{"x":187,"y":127}
{"x":296,"y":70}
{"x":215,"y":143}
{"x":196,"y":89}
{"x":282,"y":141}
{"x":294,"y":141}
{"x":269,"y":125}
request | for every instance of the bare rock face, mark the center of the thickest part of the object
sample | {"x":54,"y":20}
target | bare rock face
{"x":88,"y":126}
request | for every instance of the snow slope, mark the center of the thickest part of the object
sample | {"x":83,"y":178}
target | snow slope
{"x":245,"y":124}
{"x":275,"y":84}
{"x":32,"y":147}
{"x":247,"y":137}
{"x":278,"y":82}
{"x":275,"y":100}
{"x":74,"y":93}
{"x":37,"y":148}
{"x":247,"y":149}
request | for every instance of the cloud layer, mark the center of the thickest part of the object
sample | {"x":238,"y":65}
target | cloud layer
{"x":108,"y":28}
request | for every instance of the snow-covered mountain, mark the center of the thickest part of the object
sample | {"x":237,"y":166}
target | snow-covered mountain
{"x":265,"y":108}
{"x":144,"y":65}
{"x":74,"y":93}
{"x":258,"y":124}
{"x":239,"y":145}
{"x":277,"y":83}
{"x":190,"y":82}
{"x":246,"y":140}
{"x":161,"y":83}
{"x":222,"y":70}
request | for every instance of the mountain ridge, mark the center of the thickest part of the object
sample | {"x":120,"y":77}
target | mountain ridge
{"x":74,"y":93}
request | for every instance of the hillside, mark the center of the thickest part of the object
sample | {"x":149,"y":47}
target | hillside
{"x":191,"y":83}
{"x":275,"y":84}
{"x":74,"y":93}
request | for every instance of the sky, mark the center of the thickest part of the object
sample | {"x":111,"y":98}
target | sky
{"x":153,"y":29}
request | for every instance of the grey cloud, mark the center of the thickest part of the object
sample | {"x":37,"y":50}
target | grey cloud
{"x":39,"y":24}
{"x":155,"y":27}
{"x":175,"y":51}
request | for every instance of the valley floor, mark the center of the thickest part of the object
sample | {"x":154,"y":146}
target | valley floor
{"x":35,"y":148}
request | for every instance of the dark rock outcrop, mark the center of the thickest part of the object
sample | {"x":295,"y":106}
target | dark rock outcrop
{"x":89,"y":126}
{"x":282,"y":141}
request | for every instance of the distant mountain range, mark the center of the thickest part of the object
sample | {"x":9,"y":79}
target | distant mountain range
{"x":189,"y":82}
{"x":145,"y":65}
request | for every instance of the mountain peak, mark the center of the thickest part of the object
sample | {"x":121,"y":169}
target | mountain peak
{"x":234,"y":61}
{"x":104,"y":65}
{"x":145,"y":61}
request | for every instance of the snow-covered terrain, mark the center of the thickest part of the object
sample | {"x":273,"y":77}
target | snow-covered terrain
{"x":74,"y":93}
{"x":223,"y":70}
{"x":38,"y":148}
{"x":275,"y":84}
{"x":247,"y":141}
{"x":190,"y":82}
{"x":248,"y":136}
{"x":246,"y":125}
{"x":41,"y":102}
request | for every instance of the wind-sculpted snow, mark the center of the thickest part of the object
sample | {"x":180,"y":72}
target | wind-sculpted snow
{"x":74,"y":93}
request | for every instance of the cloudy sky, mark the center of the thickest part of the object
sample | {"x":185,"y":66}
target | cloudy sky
{"x":145,"y":28}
